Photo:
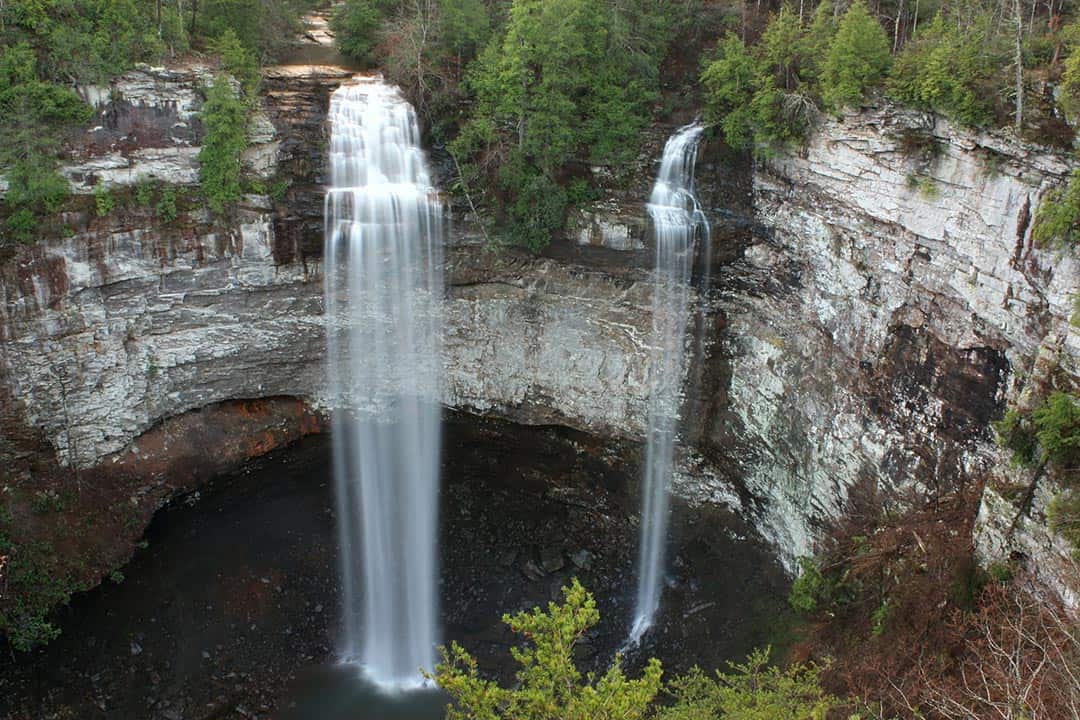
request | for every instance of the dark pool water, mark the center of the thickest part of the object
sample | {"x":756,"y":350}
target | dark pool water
{"x":230,"y":610}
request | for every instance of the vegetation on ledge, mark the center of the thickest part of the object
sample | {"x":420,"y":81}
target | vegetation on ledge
{"x":549,"y":686}
{"x":1049,"y":437}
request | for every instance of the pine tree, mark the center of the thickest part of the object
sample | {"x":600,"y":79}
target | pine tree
{"x":858,"y":57}
{"x":225,"y":119}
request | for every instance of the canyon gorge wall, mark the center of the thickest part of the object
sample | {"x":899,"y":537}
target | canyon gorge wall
{"x":875,"y":300}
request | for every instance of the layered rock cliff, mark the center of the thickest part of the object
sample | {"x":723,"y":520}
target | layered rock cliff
{"x":892,"y":306}
{"x":874,"y":302}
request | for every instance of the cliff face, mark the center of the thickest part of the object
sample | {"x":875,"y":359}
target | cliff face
{"x":892,"y":307}
{"x":126,"y":320}
{"x":873,"y":305}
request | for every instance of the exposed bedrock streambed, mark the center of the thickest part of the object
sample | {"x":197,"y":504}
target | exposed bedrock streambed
{"x":232,"y":607}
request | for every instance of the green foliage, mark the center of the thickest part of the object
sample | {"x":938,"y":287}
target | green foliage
{"x":22,"y":224}
{"x":759,"y":101}
{"x":104,"y":201}
{"x":1014,"y":432}
{"x":924,"y":185}
{"x":225,"y":119}
{"x":565,"y":80}
{"x":1057,"y":428}
{"x":857,"y":58}
{"x":144,"y":193}
{"x":948,"y":71}
{"x":262,"y":27}
{"x":1063,"y":516}
{"x":1058,"y":217}
{"x":46,"y":501}
{"x":809,"y":588}
{"x":880,"y":617}
{"x":166,"y":205}
{"x":463,"y":25}
{"x":239,"y":61}
{"x":537,"y":208}
{"x":548,"y":684}
{"x":356,"y":26}
{"x":752,"y":690}
{"x":1050,"y":433}
{"x":813,"y":46}
{"x":1069,"y":87}
{"x":35,"y":585}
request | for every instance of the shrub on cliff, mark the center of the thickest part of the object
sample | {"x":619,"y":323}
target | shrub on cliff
{"x":225,"y":118}
{"x":35,"y":114}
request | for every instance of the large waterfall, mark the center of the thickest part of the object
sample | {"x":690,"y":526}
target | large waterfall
{"x":383,"y":291}
{"x":676,"y":221}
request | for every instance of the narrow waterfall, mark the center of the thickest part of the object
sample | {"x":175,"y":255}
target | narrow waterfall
{"x":383,"y":292}
{"x":676,"y":221}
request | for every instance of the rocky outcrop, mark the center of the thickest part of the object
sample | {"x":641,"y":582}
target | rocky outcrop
{"x":891,"y":307}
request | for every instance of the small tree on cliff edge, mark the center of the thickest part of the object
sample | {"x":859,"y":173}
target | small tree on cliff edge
{"x":858,"y":57}
{"x":549,"y":685}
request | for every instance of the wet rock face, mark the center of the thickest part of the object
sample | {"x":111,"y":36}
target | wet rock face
{"x":885,"y":314}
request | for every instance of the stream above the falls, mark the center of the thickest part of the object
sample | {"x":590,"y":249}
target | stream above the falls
{"x":232,"y":607}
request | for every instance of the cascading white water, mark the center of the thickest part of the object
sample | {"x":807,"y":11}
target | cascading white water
{"x":383,"y":292}
{"x":676,"y":220}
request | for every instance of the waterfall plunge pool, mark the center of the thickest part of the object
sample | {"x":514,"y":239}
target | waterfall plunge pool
{"x":232,"y":610}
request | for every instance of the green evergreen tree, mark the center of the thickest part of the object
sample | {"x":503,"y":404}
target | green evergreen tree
{"x":857,"y":58}
{"x":356,"y":25}
{"x":224,"y":117}
{"x":239,"y":61}
{"x":549,"y":686}
{"x":947,"y":71}
{"x":813,"y":46}
{"x":779,"y":47}
{"x":753,"y":690}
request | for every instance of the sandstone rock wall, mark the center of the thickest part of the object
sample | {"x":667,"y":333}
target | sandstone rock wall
{"x":892,"y":306}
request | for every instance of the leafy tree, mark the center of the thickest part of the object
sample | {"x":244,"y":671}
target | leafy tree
{"x":947,"y":71}
{"x":857,"y":58}
{"x":744,"y":95}
{"x":1014,"y":432}
{"x":753,"y":690}
{"x":356,"y":26}
{"x":34,"y":114}
{"x":225,"y":119}
{"x":809,"y":588}
{"x":565,"y":80}
{"x":463,"y":26}
{"x":780,"y":46}
{"x":1069,"y":87}
{"x":730,"y":81}
{"x":549,"y":686}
